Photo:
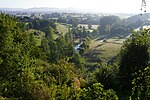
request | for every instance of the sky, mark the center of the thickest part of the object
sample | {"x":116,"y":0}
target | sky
{"x":107,"y":6}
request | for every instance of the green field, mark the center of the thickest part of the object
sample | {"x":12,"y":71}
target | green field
{"x":104,"y":49}
{"x":62,"y":28}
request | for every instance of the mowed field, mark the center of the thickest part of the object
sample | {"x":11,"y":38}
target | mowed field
{"x":105,"y":49}
{"x":62,"y":28}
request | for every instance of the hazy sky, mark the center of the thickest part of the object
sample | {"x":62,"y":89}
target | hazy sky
{"x":120,"y":6}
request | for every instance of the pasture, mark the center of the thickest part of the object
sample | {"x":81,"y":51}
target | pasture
{"x":105,"y":49}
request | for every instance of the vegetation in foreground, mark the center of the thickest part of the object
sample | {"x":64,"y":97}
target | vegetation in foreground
{"x":52,"y":69}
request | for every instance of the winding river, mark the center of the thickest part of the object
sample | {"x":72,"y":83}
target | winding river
{"x":78,"y":45}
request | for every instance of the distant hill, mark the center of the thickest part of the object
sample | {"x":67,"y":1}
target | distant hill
{"x":61,"y":10}
{"x":12,"y":9}
{"x":137,"y":21}
{"x":47,"y":9}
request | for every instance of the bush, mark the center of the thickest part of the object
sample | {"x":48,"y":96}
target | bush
{"x":96,"y":92}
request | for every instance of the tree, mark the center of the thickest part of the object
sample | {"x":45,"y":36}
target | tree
{"x":96,"y":92}
{"x":107,"y":22}
{"x":119,"y":31}
{"x":89,"y":26}
{"x":69,"y":36}
{"x":140,"y":90}
{"x":17,"y":60}
{"x":108,"y":76}
{"x":74,"y":21}
{"x":42,"y":25}
{"x":84,"y":32}
{"x":134,"y":58}
{"x":85,"y":45}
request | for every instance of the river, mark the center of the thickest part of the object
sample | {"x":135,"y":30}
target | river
{"x":78,"y":46}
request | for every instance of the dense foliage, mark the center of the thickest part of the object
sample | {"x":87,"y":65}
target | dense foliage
{"x":134,"y":60}
{"x":46,"y":71}
{"x":37,"y":63}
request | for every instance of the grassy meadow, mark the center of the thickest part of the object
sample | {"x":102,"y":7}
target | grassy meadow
{"x":105,"y":49}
